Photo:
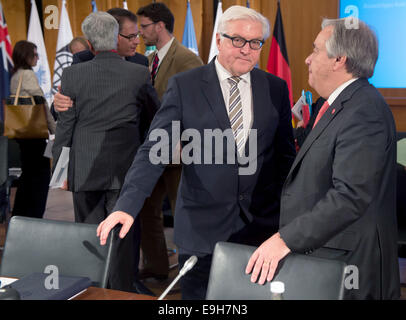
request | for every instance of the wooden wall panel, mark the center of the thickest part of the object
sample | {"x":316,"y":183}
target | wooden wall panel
{"x":301,"y":19}
{"x":301,"y":22}
{"x":17,"y":17}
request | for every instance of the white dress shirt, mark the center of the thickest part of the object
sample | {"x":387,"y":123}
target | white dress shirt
{"x":162,"y":53}
{"x":337,"y":91}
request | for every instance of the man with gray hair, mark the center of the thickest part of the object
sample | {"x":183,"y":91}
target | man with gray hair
{"x":339,"y":199}
{"x":215,"y":202}
{"x":102,"y":129}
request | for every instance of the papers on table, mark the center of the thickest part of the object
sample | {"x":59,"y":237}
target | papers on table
{"x":401,"y":157}
{"x":4,"y":281}
{"x":61,"y":171}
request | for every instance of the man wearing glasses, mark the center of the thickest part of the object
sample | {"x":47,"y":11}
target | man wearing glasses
{"x":128,"y":40}
{"x":215,"y":202}
{"x":156,"y":28}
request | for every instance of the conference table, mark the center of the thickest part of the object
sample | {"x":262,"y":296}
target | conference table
{"x":94,"y":293}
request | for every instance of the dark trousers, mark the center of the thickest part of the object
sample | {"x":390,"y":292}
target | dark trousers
{"x":153,"y":241}
{"x":194,"y":283}
{"x":33,"y":184}
{"x":94,"y":207}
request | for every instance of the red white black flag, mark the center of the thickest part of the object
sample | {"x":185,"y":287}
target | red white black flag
{"x":278,"y":62}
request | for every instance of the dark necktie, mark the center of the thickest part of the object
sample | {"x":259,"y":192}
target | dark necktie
{"x":154,"y":68}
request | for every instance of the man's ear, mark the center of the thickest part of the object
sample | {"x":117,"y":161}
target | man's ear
{"x":161,"y":25}
{"x":91,"y":47}
{"x":218,"y":39}
{"x":340,"y":62}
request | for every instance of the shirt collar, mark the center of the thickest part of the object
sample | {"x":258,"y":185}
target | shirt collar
{"x":164,"y":50}
{"x":340,"y":89}
{"x":224,"y":74}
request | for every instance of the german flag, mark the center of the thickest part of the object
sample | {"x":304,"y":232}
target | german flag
{"x":278,"y":62}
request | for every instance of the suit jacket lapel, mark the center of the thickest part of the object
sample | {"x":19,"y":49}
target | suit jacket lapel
{"x":260,"y":98}
{"x":166,"y":62}
{"x":327,"y":118}
{"x":212,"y":91}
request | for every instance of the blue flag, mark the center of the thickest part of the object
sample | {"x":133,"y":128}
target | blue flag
{"x":94,"y":6}
{"x":6,"y":63}
{"x":189,"y":36}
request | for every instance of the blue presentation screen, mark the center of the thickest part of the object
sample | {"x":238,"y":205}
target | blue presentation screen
{"x":388,"y":19}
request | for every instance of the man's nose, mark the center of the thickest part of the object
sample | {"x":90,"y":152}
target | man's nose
{"x":246,"y":48}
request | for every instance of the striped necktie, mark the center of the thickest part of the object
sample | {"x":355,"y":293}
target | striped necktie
{"x":235,"y":113}
{"x":154,"y":68}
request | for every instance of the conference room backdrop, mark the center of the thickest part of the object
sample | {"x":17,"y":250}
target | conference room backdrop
{"x":301,"y":21}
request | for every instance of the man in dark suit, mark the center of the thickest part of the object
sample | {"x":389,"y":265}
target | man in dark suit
{"x":219,"y":199}
{"x":338,"y":201}
{"x":102,"y":128}
{"x":147,"y":99}
{"x":171,"y":57}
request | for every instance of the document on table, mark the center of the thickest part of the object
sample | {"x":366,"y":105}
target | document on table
{"x":401,"y":157}
{"x":61,"y":170}
{"x":4,"y":281}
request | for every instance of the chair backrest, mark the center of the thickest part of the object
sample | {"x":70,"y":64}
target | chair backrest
{"x":33,"y":244}
{"x":305,"y":277}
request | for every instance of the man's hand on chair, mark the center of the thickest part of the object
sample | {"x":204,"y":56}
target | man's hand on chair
{"x":111,"y":221}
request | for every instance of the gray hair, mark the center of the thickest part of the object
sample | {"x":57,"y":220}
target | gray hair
{"x":243,"y":13}
{"x":357,"y":41}
{"x":101,"y":29}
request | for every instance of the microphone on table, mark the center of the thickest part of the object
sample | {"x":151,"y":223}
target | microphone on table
{"x":189,"y":264}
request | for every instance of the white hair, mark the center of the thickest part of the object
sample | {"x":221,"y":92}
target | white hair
{"x":243,"y":13}
{"x":357,"y":41}
{"x":101,"y":29}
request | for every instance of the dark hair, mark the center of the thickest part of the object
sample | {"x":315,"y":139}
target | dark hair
{"x":157,"y":12}
{"x":23,"y":52}
{"x":121,"y":14}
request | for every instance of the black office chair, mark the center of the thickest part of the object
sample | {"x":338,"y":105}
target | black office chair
{"x":305,"y":277}
{"x":33,"y":244}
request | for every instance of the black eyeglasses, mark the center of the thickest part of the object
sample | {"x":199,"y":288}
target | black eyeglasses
{"x":131,"y":36}
{"x":239,"y":42}
{"x":143,"y":26}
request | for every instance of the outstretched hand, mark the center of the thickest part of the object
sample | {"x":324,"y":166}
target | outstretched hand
{"x":111,"y":221}
{"x":265,"y":259}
